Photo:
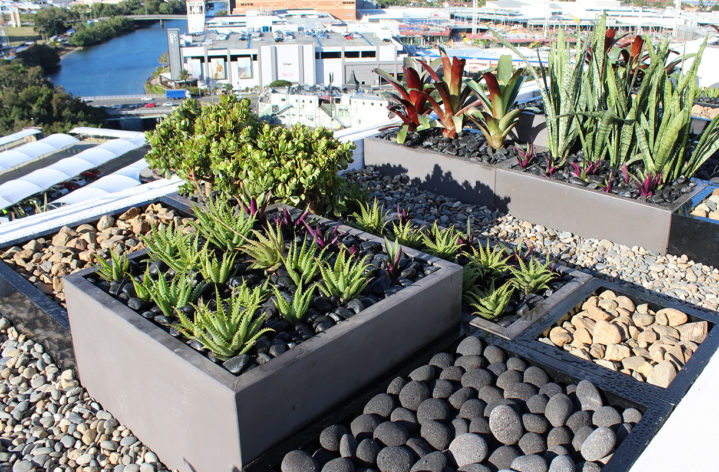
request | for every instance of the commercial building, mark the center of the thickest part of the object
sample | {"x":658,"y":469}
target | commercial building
{"x":342,"y":9}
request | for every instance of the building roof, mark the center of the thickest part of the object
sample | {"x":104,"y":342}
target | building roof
{"x":30,"y":151}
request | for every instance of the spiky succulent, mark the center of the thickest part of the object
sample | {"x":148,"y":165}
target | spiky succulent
{"x":442,"y":243}
{"x":214,"y":269}
{"x":265,"y":248}
{"x":371,"y":219}
{"x":141,"y":290}
{"x":173,"y":246}
{"x":174,"y":294}
{"x":532,"y":276}
{"x":115,"y":269}
{"x":407,"y":234}
{"x":471,"y":274}
{"x":301,"y":262}
{"x":491,"y":303}
{"x":489,"y":261}
{"x":228,"y":330}
{"x":221,"y":225}
{"x":346,"y":278}
{"x":294,"y":311}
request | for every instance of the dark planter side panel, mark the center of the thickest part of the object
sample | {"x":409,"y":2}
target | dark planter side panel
{"x":446,"y":175}
{"x":695,"y":236}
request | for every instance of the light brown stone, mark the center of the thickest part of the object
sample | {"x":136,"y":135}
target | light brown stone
{"x":608,"y":364}
{"x":608,"y":295}
{"x":626,"y":303}
{"x":643,"y":308}
{"x":666,"y":331}
{"x":645,"y":369}
{"x":585,"y":323}
{"x":694,"y":332}
{"x":559,"y":336}
{"x":641,"y":319}
{"x":105,"y":223}
{"x":633,"y":362}
{"x":617,"y":352}
{"x":606,"y":333}
{"x":129,"y":214}
{"x":648,"y":336}
{"x":656,"y":351}
{"x":589,"y":302}
{"x":662,"y":374}
{"x":597,"y":350}
{"x":607,"y":305}
{"x":674,"y":316}
{"x":597,"y":314}
{"x":583,"y":336}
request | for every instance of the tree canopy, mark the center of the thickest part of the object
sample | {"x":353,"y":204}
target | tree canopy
{"x":40,"y":55}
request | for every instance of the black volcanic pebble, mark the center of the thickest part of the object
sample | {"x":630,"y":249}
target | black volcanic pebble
{"x":537,"y":404}
{"x":550,"y":389}
{"x":579,"y":419}
{"x":299,"y":461}
{"x":437,"y":434}
{"x":453,"y":373}
{"x":470,"y":346}
{"x":323,"y":456}
{"x":419,"y":446}
{"x":381,"y":404}
{"x":470,"y":362}
{"x":503,"y":456}
{"x":588,"y":396}
{"x":395,"y":386}
{"x":559,"y":435}
{"x":367,"y":451}
{"x":364,"y":425}
{"x":520,"y":391}
{"x":515,"y":363}
{"x":535,"y":376}
{"x":580,"y":436}
{"x":506,"y":425}
{"x":559,"y":408}
{"x":340,"y":464}
{"x":477,"y":378}
{"x":631,"y":415}
{"x":474,"y":468}
{"x":535,"y":423}
{"x":531,"y":463}
{"x":406,"y":418}
{"x":606,"y":416}
{"x":508,"y":378}
{"x":494,"y":354}
{"x":433,"y":462}
{"x":497,"y":368}
{"x":589,"y":467}
{"x":459,"y":426}
{"x":532,"y":443}
{"x":331,"y":435}
{"x":479,"y":425}
{"x":562,"y":463}
{"x":424,"y":373}
{"x":472,"y":408}
{"x":413,"y":394}
{"x":395,"y":459}
{"x":442,"y":388}
{"x":433,"y":409}
{"x":348,"y":446}
{"x":442,"y":360}
{"x":468,"y":449}
{"x":490,"y":394}
{"x":598,"y":444}
{"x":391,"y":434}
{"x":460,"y":396}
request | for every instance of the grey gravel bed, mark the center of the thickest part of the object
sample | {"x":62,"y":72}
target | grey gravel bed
{"x":49,"y":422}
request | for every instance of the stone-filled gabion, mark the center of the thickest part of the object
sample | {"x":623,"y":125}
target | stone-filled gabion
{"x":478,"y":410}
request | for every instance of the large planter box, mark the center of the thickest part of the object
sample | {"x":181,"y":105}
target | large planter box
{"x":578,"y":280}
{"x":37,"y":314}
{"x":588,"y":213}
{"x":454,"y":177}
{"x":695,"y":236}
{"x":684,"y":377}
{"x":197,"y":416}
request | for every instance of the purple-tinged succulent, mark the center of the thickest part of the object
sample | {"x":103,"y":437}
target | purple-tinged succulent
{"x":525,"y":157}
{"x":323,"y":238}
{"x":648,"y":183}
{"x":584,"y":169}
{"x":403,"y":215}
{"x":287,"y":222}
{"x":550,"y":168}
{"x":519,"y":252}
{"x":255,"y":206}
{"x":465,"y":239}
{"x":625,"y":174}
{"x":391,"y":265}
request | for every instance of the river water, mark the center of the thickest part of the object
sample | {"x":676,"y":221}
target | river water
{"x":118,"y":67}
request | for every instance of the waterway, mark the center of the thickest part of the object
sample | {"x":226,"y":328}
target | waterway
{"x":118,"y":67}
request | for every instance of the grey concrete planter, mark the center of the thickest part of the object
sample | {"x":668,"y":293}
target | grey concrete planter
{"x":454,"y":177}
{"x":695,"y":236}
{"x":33,"y":312}
{"x":197,"y":416}
{"x":532,"y":128}
{"x":578,"y":280}
{"x":586,"y":212}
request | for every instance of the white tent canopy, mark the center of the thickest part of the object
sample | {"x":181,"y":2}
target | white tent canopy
{"x":125,"y":178}
{"x":28,"y":152}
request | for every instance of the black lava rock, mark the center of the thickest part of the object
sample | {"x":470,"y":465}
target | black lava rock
{"x":331,"y":435}
{"x":364,"y":425}
{"x":299,"y":461}
{"x":395,"y":459}
{"x":391,"y":434}
{"x":381,"y":404}
{"x":413,"y":394}
{"x":437,"y":434}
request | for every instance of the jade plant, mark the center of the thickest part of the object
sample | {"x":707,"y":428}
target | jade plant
{"x":346,"y":278}
{"x":226,"y":327}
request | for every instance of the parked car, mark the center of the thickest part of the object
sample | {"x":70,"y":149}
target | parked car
{"x":146,"y":99}
{"x":168,"y":104}
{"x":149,"y":105}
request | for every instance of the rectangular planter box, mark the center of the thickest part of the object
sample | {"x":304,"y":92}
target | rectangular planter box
{"x":36,"y":314}
{"x":578,"y":280}
{"x":695,"y":236}
{"x":585,"y":212}
{"x":684,"y":378}
{"x":471,"y":182}
{"x":197,"y":416}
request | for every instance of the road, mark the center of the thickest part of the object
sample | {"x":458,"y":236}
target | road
{"x":135,"y":105}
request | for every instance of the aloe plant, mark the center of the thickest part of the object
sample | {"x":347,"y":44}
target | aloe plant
{"x":229,"y":330}
{"x":266,"y":248}
{"x":533,"y":276}
{"x":221,"y":225}
{"x":346,"y":278}
{"x":491,"y":262}
{"x":173,"y":246}
{"x":407,"y":234}
{"x":442,"y":243}
{"x":177,"y":293}
{"x":140,"y":285}
{"x":491,"y":303}
{"x":498,"y":116}
{"x":115,"y":269}
{"x":302,"y":263}
{"x":294,"y":311}
{"x":371,"y":219}
{"x":214,"y":269}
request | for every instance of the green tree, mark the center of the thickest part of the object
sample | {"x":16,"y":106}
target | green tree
{"x":28,"y":99}
{"x":40,"y":55}
{"x":52,"y":21}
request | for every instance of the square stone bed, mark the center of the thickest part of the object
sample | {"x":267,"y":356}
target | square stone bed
{"x":437,"y":413}
{"x":639,"y":341}
{"x":37,"y":307}
{"x":198,"y":416}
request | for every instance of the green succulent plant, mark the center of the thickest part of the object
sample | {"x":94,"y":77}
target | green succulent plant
{"x":407,"y":234}
{"x":140,"y":286}
{"x":171,"y":245}
{"x":229,"y":330}
{"x":491,"y":303}
{"x":223,"y":226}
{"x":489,"y":261}
{"x":177,"y":293}
{"x":533,"y":276}
{"x":302,"y":263}
{"x":266,"y":248}
{"x":214,"y":269}
{"x":371,"y":219}
{"x":346,"y":278}
{"x":443,"y":243}
{"x":115,"y":269}
{"x":296,"y":310}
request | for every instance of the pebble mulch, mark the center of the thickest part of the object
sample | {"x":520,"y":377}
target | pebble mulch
{"x":709,"y":208}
